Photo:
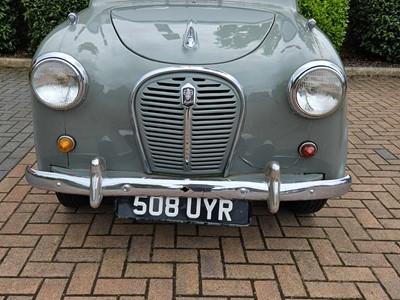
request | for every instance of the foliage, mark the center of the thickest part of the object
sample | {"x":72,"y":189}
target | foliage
{"x":9,"y":11}
{"x":331,"y":17}
{"x":375,"y":27}
{"x":42,"y":16}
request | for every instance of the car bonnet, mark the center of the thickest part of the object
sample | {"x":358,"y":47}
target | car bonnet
{"x":187,"y":34}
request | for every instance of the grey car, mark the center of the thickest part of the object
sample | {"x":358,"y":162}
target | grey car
{"x":188,"y":111}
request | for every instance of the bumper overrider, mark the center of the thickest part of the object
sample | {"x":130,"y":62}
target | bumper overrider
{"x":272,"y":190}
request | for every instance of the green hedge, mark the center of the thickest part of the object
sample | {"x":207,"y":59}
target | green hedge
{"x":9,"y":16}
{"x":375,"y":27}
{"x":42,"y":16}
{"x":331,"y":17}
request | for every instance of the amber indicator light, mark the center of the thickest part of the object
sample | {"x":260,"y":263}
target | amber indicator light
{"x":65,"y":144}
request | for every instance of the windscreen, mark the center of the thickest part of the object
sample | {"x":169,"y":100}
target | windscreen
{"x":287,"y":4}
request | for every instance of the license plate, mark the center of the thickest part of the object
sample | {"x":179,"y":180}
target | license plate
{"x":188,"y":210}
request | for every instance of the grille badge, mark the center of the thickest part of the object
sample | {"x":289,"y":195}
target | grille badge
{"x":188,"y":95}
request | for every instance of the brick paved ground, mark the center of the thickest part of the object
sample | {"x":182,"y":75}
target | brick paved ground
{"x":349,"y":250}
{"x":15,"y":118}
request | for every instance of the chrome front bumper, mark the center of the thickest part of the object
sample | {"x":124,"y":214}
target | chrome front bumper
{"x":272,"y":190}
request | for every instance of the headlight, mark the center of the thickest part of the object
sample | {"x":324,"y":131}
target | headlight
{"x":317,"y":89}
{"x":58,"y":80}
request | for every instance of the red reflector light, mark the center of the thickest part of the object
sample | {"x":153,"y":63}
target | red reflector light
{"x":308,"y":149}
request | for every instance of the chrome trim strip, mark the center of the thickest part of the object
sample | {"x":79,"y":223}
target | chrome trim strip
{"x":220,"y":189}
{"x":182,"y":69}
{"x":188,"y":134}
{"x":76,"y":65}
{"x":301,"y":72}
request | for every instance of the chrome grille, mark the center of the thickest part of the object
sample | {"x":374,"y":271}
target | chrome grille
{"x":160,"y":122}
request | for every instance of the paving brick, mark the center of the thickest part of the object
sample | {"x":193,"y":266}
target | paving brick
{"x":52,"y":289}
{"x":149,"y":270}
{"x":377,"y":247}
{"x":164,"y":236}
{"x":42,"y":269}
{"x":125,"y":229}
{"x":395,"y":261}
{"x":325,"y":252}
{"x":270,"y":257}
{"x":252,"y":238}
{"x":16,"y":223}
{"x":7,"y":184}
{"x":79,"y":255}
{"x":6,"y":210}
{"x":14,"y":262}
{"x":186,"y":229}
{"x":390,"y":223}
{"x":113,"y":263}
{"x":106,"y":242}
{"x":233,"y":288}
{"x":75,"y":236}
{"x":366,"y":218}
{"x":233,"y":250}
{"x":390,"y":280}
{"x":349,"y":274}
{"x":240,"y":271}
{"x":160,"y":289}
{"x":120,"y":287}
{"x":387,"y":199}
{"x":290,"y":281}
{"x":333,"y":290}
{"x":43,"y":229}
{"x":303,"y":232}
{"x":175,"y":255}
{"x":101,"y":224}
{"x":218,"y":231}
{"x":19,"y":286}
{"x":364,"y":260}
{"x":334,"y":212}
{"x":308,"y":266}
{"x":377,"y":209}
{"x":187,"y":279}
{"x":197,"y":242}
{"x":319,"y":222}
{"x":270,"y":226}
{"x":63,"y":218}
{"x":211,"y":264}
{"x":267,"y":290}
{"x":354,"y":230}
{"x":83,"y":279}
{"x":345,"y":203}
{"x":340,"y":240}
{"x":44,"y":213}
{"x":140,"y":248}
{"x":384,"y":234}
{"x":287,"y":244}
{"x":18,"y":193}
{"x":18,"y":240}
{"x":372,"y":291}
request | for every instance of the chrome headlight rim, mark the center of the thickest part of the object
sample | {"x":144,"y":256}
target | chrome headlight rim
{"x":302,"y":72}
{"x":83,"y":79}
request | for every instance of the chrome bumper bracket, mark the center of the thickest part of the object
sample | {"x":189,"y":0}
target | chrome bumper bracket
{"x":97,"y":168}
{"x":273,"y":173}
